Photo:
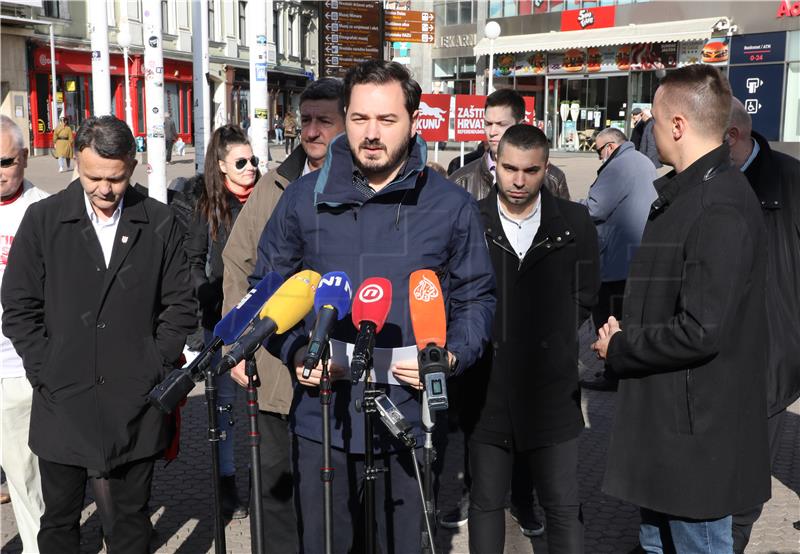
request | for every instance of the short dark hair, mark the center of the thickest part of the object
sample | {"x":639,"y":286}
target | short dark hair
{"x":507,"y":97}
{"x":108,"y":136}
{"x":524,"y":137}
{"x":380,"y":72}
{"x":636,"y":111}
{"x":327,"y":88}
{"x":703,"y":94}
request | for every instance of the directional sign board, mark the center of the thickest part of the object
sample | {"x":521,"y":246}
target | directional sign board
{"x":410,"y":26}
{"x":350,"y":33}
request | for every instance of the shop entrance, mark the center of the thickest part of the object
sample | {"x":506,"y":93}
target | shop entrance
{"x":579,"y":107}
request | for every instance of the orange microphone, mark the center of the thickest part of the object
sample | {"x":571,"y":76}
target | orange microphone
{"x":429,"y":321}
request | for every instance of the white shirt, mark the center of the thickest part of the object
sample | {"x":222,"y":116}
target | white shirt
{"x":106,"y":230}
{"x":753,"y":154}
{"x":10,"y":217}
{"x":520,"y":232}
{"x":306,"y":168}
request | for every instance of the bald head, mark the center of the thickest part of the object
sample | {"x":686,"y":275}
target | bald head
{"x":739,"y":133}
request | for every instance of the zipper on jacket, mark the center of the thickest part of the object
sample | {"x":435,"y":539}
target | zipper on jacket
{"x":689,"y":410}
{"x":520,"y":260}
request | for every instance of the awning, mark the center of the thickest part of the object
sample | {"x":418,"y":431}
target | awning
{"x":670,"y":31}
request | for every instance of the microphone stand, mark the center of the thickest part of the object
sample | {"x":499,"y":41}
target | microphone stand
{"x":370,"y":471}
{"x":213,"y":437}
{"x":326,"y":472}
{"x":256,"y":500}
{"x":428,"y":457}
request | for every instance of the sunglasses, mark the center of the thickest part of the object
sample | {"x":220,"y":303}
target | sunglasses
{"x":241,"y":162}
{"x":600,"y":150}
{"x":9,"y":162}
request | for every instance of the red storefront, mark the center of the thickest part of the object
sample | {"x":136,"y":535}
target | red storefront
{"x":74,"y":92}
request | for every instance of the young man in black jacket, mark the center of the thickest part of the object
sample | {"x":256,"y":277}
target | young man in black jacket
{"x":524,"y":397}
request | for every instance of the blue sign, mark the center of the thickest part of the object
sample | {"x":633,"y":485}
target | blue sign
{"x":261,"y":72}
{"x":760,"y":88}
{"x":760,"y":48}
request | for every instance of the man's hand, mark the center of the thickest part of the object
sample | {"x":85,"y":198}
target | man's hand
{"x":239,"y":375}
{"x":335,"y":372}
{"x":604,"y":335}
{"x":407,"y":371}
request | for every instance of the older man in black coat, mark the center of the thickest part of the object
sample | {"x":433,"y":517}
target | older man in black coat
{"x":98,"y":302}
{"x":775,"y":178}
{"x":524,"y":400}
{"x":689,"y":444}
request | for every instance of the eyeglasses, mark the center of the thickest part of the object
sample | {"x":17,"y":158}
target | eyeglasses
{"x":9,"y":162}
{"x":600,"y":150}
{"x":241,"y":162}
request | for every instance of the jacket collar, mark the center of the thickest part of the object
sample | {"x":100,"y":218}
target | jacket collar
{"x":673,"y":184}
{"x":334,"y":185}
{"x":617,"y":152}
{"x":764,"y":177}
{"x":74,"y":206}
{"x":292,"y":167}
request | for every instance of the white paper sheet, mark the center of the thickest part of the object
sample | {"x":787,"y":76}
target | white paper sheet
{"x":384,"y":359}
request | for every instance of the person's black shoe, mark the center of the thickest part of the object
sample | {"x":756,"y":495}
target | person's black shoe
{"x":232,"y":507}
{"x":528,"y":523}
{"x":456,"y":517}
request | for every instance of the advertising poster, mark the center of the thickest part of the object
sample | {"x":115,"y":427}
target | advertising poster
{"x":569,"y":61}
{"x":530,"y":109}
{"x":469,"y":117}
{"x":521,"y":65}
{"x":434,"y":117}
{"x":760,"y":48}
{"x":656,"y":55}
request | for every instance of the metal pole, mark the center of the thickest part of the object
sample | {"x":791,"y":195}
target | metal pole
{"x":128,"y":107}
{"x":490,"y":88}
{"x":124,"y":40}
{"x":101,"y":79}
{"x":259,"y":98}
{"x":257,"y":502}
{"x":54,"y":117}
{"x":201,"y":101}
{"x":214,"y":436}
{"x":154,"y":100}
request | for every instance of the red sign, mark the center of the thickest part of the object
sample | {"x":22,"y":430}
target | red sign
{"x":787,"y":9}
{"x":434,"y":117}
{"x":469,"y":117}
{"x":588,"y":18}
{"x":530,"y":109}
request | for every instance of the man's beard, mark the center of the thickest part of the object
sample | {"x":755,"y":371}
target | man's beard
{"x":376,"y":168}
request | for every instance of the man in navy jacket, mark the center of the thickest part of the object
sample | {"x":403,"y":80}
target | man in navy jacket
{"x":375,"y":210}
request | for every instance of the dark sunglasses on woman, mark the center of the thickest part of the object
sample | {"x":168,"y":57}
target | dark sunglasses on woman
{"x":241,"y":162}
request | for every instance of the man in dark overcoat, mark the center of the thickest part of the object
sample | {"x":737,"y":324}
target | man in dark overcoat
{"x":689,"y":443}
{"x":775,"y":178}
{"x":98,"y":302}
{"x":523,"y":399}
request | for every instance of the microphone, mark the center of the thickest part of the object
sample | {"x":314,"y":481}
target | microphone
{"x":179,"y":383}
{"x":394,"y":420}
{"x":429,"y":321}
{"x":290,"y":303}
{"x":332,"y":303}
{"x":370,"y":309}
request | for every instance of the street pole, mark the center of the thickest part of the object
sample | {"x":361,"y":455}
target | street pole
{"x":54,"y":117}
{"x":491,"y":31}
{"x":201,"y":103}
{"x":154,"y":100}
{"x":101,"y":79}
{"x":259,"y":98}
{"x":124,"y":40}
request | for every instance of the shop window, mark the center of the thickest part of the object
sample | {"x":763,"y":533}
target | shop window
{"x":140,"y":126}
{"x":445,"y":67}
{"x":466,"y":65}
{"x":509,"y":8}
{"x":495,"y":8}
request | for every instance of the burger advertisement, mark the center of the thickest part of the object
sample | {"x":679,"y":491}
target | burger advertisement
{"x":594,"y":60}
{"x":570,"y":61}
{"x":715,"y":51}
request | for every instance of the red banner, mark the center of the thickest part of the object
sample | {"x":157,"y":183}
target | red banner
{"x":469,"y":117}
{"x":588,"y":18}
{"x":530,"y":110}
{"x":434,"y":117}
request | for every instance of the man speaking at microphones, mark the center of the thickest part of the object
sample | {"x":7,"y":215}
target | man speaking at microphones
{"x":374,"y":210}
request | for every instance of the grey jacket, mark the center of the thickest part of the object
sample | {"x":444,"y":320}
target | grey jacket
{"x":619,"y":201}
{"x":648,"y":145}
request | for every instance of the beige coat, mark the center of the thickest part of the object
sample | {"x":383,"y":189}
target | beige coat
{"x":62,"y":141}
{"x":239,"y":258}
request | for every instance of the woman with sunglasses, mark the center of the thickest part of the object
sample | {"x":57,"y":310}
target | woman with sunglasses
{"x":231,"y":172}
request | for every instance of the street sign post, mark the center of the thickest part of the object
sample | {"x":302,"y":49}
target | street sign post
{"x":350,"y":33}
{"x":410,"y":26}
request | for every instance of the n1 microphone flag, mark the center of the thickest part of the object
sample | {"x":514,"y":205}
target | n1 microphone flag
{"x":371,"y":307}
{"x":332,"y":303}
{"x":429,"y":321}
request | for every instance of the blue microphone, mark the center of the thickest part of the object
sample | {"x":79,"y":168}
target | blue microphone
{"x":179,"y":383}
{"x":332,"y":303}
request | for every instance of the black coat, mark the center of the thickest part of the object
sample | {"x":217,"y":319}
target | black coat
{"x":94,"y":341}
{"x":525,"y":390}
{"x":775,"y":178}
{"x":690,"y":433}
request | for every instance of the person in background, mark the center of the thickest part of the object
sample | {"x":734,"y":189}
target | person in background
{"x":289,"y":131}
{"x":277,"y":123}
{"x":170,"y":135}
{"x":775,"y":178}
{"x":20,"y":464}
{"x":637,"y":127}
{"x":619,"y":202}
{"x":648,"y":143}
{"x":230,"y":173}
{"x":62,"y":144}
{"x":322,"y":115}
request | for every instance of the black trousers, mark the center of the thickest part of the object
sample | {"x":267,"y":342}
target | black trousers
{"x":554,"y":470}
{"x":398,"y":507}
{"x":743,"y":521}
{"x":169,"y":145}
{"x":277,"y":484}
{"x":63,"y":489}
